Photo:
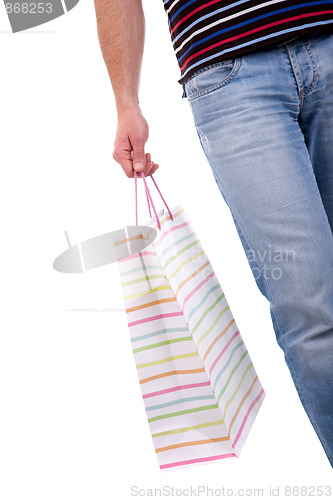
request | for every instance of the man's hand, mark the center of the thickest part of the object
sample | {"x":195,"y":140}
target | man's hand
{"x":129,"y":145}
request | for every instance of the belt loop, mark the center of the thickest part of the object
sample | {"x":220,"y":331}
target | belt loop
{"x":184,"y":90}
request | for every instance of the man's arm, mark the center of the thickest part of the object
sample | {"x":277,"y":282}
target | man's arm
{"x":121,"y":33}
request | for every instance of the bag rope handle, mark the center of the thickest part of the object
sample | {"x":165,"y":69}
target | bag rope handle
{"x":149,"y":199}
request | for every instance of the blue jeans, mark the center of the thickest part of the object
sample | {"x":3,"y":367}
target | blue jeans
{"x":265,"y":122}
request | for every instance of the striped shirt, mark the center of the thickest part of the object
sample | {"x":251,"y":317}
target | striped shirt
{"x":205,"y":32}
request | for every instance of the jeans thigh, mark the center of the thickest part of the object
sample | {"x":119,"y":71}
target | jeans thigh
{"x":255,"y":147}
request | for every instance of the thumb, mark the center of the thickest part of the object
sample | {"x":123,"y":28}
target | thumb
{"x":139,"y":159}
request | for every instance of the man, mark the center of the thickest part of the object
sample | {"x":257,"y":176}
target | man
{"x":259,"y":80}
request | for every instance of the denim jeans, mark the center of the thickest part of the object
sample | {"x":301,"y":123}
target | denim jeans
{"x":265,"y":123}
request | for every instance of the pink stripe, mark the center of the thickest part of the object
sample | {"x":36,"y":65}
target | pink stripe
{"x":153,"y":318}
{"x":173,"y":389}
{"x":135,"y":256}
{"x":169,"y":231}
{"x":197,"y":288}
{"x":223,"y":351}
{"x":197,"y":460}
{"x":246,"y":416}
{"x":193,"y":12}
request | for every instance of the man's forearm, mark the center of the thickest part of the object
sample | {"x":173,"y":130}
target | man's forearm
{"x":121,"y":33}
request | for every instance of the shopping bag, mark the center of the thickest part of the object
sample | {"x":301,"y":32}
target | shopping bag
{"x":200,"y":389}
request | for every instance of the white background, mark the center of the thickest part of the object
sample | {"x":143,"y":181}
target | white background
{"x":72,"y":420}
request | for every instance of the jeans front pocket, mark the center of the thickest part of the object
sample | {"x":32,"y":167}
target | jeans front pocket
{"x":211,"y":78}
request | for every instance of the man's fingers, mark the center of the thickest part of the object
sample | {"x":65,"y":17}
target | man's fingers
{"x":129,"y":160}
{"x":149,"y":164}
{"x":123,"y":156}
{"x":153,"y":169}
{"x":150,"y":167}
{"x":127,"y":166}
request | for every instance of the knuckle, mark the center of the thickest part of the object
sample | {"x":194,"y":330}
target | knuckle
{"x":138,"y":139}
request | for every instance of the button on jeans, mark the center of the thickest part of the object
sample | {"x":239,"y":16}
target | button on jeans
{"x":265,"y":123}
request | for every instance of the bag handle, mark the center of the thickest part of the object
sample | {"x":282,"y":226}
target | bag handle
{"x":149,"y":198}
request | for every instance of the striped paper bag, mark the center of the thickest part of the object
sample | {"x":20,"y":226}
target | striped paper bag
{"x":199,"y":386}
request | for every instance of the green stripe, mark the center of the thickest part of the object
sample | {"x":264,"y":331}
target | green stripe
{"x":146,"y":292}
{"x":158,"y":332}
{"x":203,"y":300}
{"x":178,"y":401}
{"x":209,"y":330}
{"x":230,"y":376}
{"x":166,"y":360}
{"x":183,"y":412}
{"x":237,"y":389}
{"x":180,"y":252}
{"x":185,"y":429}
{"x":124,"y":273}
{"x":159,"y":344}
{"x":206,"y":312}
{"x":146,"y":278}
{"x":184,"y":263}
{"x":177,"y":243}
{"x":225,"y":366}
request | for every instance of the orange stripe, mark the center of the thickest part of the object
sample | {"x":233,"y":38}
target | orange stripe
{"x":241,"y":403}
{"x":191,"y":276}
{"x":126,"y":240}
{"x":217,"y":338}
{"x":169,"y":218}
{"x":132,"y":238}
{"x":148,"y":304}
{"x":191,"y":443}
{"x":167,"y":374}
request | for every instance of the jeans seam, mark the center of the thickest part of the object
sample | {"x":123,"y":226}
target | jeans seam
{"x":296,"y":72}
{"x":314,"y":67}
